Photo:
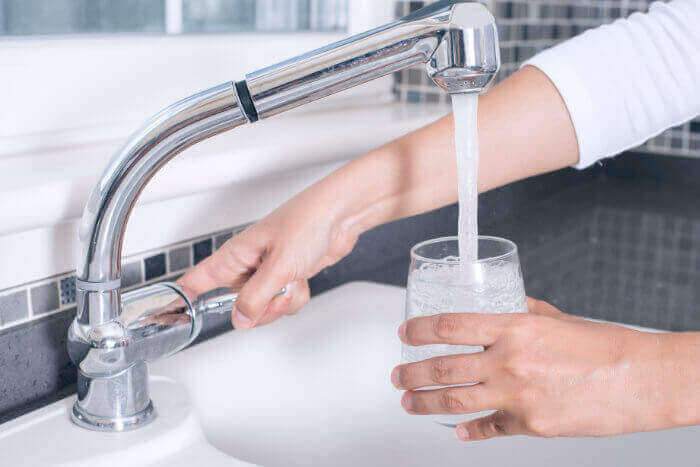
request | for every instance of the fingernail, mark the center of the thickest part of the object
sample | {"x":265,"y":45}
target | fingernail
{"x":243,"y":321}
{"x":407,"y":402}
{"x":288,"y":290}
{"x":402,"y":331}
{"x":462,"y":433}
{"x":395,"y":377}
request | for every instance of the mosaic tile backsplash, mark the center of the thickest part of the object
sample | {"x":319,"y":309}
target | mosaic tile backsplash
{"x":619,"y":264}
{"x":527,"y":27}
{"x":57,"y":294}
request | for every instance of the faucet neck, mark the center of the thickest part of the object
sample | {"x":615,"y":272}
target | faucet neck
{"x":110,"y":203}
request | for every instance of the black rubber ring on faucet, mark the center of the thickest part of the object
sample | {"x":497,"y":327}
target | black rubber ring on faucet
{"x":246,"y":102}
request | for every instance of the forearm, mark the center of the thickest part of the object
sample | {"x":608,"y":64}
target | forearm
{"x":657,"y":382}
{"x":524,"y":130}
{"x":679,"y":382}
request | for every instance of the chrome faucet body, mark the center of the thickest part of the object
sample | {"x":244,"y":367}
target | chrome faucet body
{"x":113,"y":337}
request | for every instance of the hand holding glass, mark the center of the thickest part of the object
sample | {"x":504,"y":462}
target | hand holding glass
{"x":438,"y":283}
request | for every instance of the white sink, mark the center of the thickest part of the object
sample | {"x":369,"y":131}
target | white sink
{"x":310,"y":390}
{"x":314,"y":390}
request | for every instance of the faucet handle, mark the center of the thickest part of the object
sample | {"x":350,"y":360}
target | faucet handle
{"x":220,"y":301}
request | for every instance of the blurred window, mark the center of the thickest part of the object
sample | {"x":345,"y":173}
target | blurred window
{"x":69,"y":17}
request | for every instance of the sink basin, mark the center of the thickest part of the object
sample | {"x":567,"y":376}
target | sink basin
{"x":313,"y":389}
{"x":309,"y":390}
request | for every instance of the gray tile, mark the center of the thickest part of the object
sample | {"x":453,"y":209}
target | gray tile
{"x":13,"y":307}
{"x":432,"y":98}
{"x":415,"y":76}
{"x":45,"y":298}
{"x":180,"y":258}
{"x":67,"y":289}
{"x":241,"y":228}
{"x":202,"y":250}
{"x":219,"y":240}
{"x":154,"y":266}
{"x":131,"y":274}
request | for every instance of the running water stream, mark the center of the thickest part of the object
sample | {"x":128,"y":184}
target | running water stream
{"x":467,"y":148}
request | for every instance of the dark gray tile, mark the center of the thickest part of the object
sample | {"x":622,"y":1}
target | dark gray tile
{"x":45,"y":298}
{"x":503,"y":34}
{"x":202,"y":250}
{"x":154,"y":266}
{"x":180,"y":258}
{"x":219,"y":240}
{"x":415,"y":76}
{"x":504,"y":9}
{"x":520,"y":10}
{"x":695,"y":126}
{"x":13,"y":307}
{"x":131,"y":274}
{"x":507,"y":54}
{"x":432,"y":98}
{"x":241,"y":228}
{"x":67,"y":289}
{"x":34,"y":364}
{"x":413,"y":6}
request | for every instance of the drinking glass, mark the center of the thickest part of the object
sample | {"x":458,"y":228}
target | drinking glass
{"x":438,"y":283}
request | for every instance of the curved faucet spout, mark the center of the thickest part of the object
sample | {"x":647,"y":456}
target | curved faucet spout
{"x":104,"y":219}
{"x":457,"y":42}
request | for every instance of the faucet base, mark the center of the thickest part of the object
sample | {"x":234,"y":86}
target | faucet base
{"x":95,"y":423}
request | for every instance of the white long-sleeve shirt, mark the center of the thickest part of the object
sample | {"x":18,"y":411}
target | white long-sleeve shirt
{"x":628,"y":81}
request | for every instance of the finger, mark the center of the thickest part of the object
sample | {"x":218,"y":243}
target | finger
{"x":441,"y":371}
{"x":295,"y":297}
{"x":258,"y":291}
{"x":454,"y":328}
{"x":230,"y":266}
{"x":275,"y":309}
{"x":499,"y":423}
{"x":454,"y":400}
{"x":301,"y":294}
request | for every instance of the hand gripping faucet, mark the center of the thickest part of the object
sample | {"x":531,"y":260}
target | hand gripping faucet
{"x":114,"y":336}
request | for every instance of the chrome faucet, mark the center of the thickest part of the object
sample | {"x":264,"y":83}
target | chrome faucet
{"x":114,"y":336}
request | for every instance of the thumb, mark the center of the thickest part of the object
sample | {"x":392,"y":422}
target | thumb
{"x":497,"y":424}
{"x":539,"y":307}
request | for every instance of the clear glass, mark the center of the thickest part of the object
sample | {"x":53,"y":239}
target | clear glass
{"x":437,"y":284}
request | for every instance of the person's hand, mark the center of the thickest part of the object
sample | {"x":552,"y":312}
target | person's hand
{"x":284,"y":249}
{"x":545,"y":373}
